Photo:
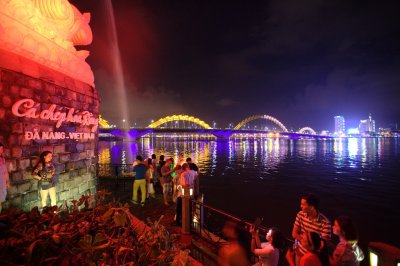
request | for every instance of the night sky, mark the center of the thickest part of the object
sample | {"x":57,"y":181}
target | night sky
{"x":302,"y":62}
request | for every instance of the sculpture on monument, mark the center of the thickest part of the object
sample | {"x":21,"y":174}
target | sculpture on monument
{"x":46,"y":32}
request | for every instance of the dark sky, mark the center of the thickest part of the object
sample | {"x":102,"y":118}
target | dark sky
{"x":302,"y":62}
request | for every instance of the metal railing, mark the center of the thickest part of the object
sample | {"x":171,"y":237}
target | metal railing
{"x":118,"y":175}
{"x":114,"y":170}
{"x":208,"y":222}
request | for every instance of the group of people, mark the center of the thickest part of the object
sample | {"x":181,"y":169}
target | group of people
{"x":312,"y":241}
{"x":171,"y":176}
{"x":311,"y":231}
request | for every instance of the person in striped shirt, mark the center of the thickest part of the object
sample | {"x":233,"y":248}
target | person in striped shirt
{"x":309,"y":219}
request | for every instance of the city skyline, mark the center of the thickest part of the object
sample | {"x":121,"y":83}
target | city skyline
{"x":302,"y":63}
{"x":340,"y":126}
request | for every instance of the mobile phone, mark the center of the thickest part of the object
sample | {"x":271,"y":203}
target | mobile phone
{"x":257,"y":222}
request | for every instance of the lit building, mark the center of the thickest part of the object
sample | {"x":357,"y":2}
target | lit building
{"x":340,"y":127}
{"x":367,"y":125}
{"x":324,"y":133}
{"x":353,"y":131}
{"x":363,"y":126}
{"x":371,"y":124}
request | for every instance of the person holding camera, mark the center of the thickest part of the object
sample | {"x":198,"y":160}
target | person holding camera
{"x":45,"y":172}
{"x":267,"y":252}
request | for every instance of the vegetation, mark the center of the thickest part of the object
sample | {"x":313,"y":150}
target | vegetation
{"x":88,"y":232}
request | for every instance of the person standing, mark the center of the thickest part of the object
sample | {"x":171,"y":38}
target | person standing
{"x":309,"y":219}
{"x":150,"y":179}
{"x":45,"y":172}
{"x":160,"y":165}
{"x":140,"y":181}
{"x":166,"y":181}
{"x":181,"y":159}
{"x":154,"y":163}
{"x":186,"y":181}
{"x":347,"y":252}
{"x":4,"y":177}
{"x":192,"y":165}
{"x":172,"y":167}
{"x":196,"y":185}
{"x":177,"y":183}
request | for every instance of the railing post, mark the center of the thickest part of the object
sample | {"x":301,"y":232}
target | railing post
{"x":201,"y":199}
{"x":186,"y":191}
{"x":383,"y":254}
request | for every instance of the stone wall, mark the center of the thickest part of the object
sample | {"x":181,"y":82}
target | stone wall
{"x":75,"y":159}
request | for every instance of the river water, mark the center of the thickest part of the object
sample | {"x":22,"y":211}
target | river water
{"x":358,"y":177}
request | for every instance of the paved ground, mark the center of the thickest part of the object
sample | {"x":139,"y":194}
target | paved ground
{"x":153,"y":208}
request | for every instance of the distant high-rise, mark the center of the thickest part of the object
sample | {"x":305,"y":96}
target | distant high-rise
{"x":371,"y":124}
{"x":367,"y":125}
{"x":340,"y":127}
{"x":363,"y":127}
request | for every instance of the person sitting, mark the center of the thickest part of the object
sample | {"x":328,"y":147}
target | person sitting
{"x":267,"y":252}
{"x":347,"y":251}
{"x":316,"y":251}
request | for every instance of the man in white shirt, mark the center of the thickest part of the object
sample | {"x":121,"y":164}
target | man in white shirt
{"x":186,"y":181}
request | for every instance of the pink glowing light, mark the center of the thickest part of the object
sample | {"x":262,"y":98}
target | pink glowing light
{"x":46,"y":31}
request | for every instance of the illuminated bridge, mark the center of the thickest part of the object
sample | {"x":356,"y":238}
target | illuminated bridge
{"x":201,"y":127}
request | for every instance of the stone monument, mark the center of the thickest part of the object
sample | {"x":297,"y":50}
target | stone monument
{"x":48,"y":101}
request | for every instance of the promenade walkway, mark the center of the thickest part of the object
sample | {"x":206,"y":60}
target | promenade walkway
{"x":153,"y":210}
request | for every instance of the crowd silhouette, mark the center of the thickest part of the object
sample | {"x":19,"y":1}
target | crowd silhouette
{"x":311,"y":245}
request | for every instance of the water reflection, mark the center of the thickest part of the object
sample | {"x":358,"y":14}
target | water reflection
{"x":266,"y":154}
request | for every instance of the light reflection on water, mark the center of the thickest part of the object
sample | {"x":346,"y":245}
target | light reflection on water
{"x":356,"y":176}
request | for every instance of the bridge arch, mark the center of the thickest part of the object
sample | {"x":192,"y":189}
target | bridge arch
{"x":179,"y":118}
{"x":103,"y":123}
{"x":307,"y":129}
{"x":267,"y":117}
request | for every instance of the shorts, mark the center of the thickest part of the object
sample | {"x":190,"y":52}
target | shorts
{"x":167,"y":188}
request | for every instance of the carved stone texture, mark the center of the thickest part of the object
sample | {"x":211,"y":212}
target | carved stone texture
{"x":46,"y":31}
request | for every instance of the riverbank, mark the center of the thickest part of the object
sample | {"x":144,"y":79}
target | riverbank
{"x":154,"y":209}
